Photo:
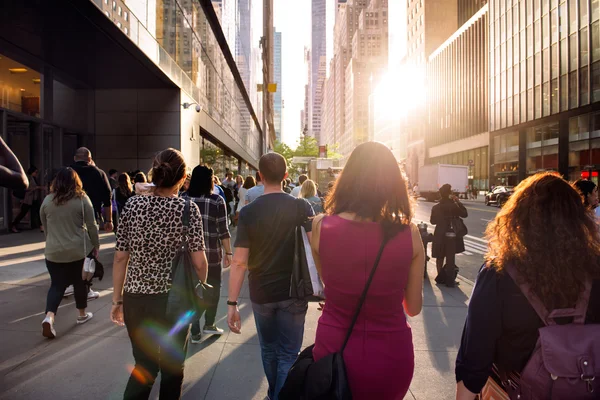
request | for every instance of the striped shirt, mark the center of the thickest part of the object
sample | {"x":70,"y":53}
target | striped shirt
{"x":214,"y":221}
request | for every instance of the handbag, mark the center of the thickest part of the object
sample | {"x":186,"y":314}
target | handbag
{"x":187,"y":294}
{"x":89,"y":263}
{"x":459,"y":227}
{"x":305,"y":283}
{"x":325,"y":379}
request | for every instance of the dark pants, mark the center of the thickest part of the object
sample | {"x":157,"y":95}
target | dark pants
{"x":61,"y":276}
{"x":155,"y":347}
{"x":214,"y":279}
{"x":280,"y":328}
{"x":35,"y":214}
{"x":447,"y":274}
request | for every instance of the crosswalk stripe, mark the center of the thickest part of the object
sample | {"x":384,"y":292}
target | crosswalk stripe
{"x":476,"y":246}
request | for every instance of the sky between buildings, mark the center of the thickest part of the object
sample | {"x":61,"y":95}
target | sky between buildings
{"x":293,"y":19}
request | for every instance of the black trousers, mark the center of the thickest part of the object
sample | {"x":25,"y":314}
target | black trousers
{"x":214,"y":279}
{"x":155,"y":347}
{"x":35,"y":214}
{"x":61,"y":276}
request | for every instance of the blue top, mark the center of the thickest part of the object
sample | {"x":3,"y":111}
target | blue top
{"x":254,"y":193}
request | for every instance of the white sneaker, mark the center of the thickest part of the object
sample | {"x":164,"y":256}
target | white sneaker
{"x":93,"y":295}
{"x":84,"y":319}
{"x":69,"y":291}
{"x":212,"y":330}
{"x":48,"y":328}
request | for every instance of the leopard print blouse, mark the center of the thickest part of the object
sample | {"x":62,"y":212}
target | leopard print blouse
{"x":150,"y":229}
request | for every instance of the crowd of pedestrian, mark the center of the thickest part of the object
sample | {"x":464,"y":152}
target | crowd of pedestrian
{"x":536,"y":294}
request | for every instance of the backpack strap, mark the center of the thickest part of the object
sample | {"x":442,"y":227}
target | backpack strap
{"x":578,"y":312}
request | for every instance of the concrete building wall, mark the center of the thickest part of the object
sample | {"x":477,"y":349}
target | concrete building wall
{"x":133,"y":124}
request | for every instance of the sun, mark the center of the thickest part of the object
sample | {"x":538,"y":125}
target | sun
{"x":399,"y":92}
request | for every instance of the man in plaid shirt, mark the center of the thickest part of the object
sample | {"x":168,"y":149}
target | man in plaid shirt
{"x":216,"y":238}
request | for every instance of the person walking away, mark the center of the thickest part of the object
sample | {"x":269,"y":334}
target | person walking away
{"x":286,"y":186}
{"x":265,"y":246}
{"x":216,"y":238}
{"x":309,"y":193}
{"x":71,"y":236}
{"x":239,"y":183}
{"x":475,"y":192}
{"x":296,"y":191}
{"x":354,"y":225}
{"x":589,"y":193}
{"x":255,"y":192}
{"x":113,"y":178}
{"x":442,"y":215}
{"x":121,"y":194}
{"x":12,"y":175}
{"x":31,"y":202}
{"x":544,"y":235}
{"x":95,"y":185}
{"x":148,"y":238}
{"x":249,"y":183}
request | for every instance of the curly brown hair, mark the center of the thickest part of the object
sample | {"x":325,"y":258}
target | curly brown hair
{"x":372,"y":186}
{"x":545,"y":231}
{"x":66,"y":185}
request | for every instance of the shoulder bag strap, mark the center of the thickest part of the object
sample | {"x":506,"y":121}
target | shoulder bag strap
{"x":578,"y":312}
{"x":363,"y":296}
{"x":84,"y":227}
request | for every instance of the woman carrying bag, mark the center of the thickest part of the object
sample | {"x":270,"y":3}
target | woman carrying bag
{"x":71,"y":236}
{"x":363,"y":340}
{"x":150,"y":235}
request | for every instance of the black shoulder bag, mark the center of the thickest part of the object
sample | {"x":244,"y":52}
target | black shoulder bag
{"x":325,"y":379}
{"x":188,"y":293}
{"x":300,"y":283}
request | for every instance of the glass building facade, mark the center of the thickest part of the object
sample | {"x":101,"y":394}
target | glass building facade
{"x":178,"y":37}
{"x":544,"y":85}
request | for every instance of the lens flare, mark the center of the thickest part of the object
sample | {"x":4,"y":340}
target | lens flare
{"x":140,"y":374}
{"x":182,"y":322}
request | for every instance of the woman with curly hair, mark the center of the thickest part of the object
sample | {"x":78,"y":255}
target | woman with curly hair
{"x":71,"y":235}
{"x":550,"y":239}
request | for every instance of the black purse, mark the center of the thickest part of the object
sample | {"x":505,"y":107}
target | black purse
{"x":188,"y":294}
{"x":300,"y":283}
{"x":325,"y":379}
{"x":459,"y":227}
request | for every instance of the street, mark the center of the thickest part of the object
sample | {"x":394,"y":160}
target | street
{"x":480,"y":215}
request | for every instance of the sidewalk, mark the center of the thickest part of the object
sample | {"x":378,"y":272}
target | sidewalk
{"x":92,"y":361}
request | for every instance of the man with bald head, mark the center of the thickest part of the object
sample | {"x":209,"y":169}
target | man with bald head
{"x":96,"y":185}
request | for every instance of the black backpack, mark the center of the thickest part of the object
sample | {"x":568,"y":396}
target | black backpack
{"x":19,"y":193}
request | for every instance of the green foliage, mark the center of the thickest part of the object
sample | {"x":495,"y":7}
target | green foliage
{"x":307,"y":147}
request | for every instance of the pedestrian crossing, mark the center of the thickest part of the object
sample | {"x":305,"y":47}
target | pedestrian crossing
{"x":474,"y":245}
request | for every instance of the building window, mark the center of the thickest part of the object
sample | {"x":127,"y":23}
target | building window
{"x":562,"y":21}
{"x":595,"y":10}
{"x":554,"y":96}
{"x":596,"y":41}
{"x":573,"y":53}
{"x":537,"y":94}
{"x":573,"y":16}
{"x":546,"y":99}
{"x":554,"y":26}
{"x":564,"y":55}
{"x":530,"y":114}
{"x":564,"y":93}
{"x":573,"y":92}
{"x":583,"y":87}
{"x":596,"y":81}
{"x":583,"y":12}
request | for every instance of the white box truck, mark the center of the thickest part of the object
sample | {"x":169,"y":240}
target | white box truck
{"x":432,"y":177}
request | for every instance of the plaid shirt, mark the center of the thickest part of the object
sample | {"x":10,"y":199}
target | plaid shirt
{"x":214,"y":221}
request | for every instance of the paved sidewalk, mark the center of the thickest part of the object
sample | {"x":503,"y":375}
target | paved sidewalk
{"x":92,"y":361}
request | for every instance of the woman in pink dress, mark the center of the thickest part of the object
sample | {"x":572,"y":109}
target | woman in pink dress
{"x":370,"y":194}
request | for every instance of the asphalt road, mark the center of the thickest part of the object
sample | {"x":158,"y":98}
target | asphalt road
{"x":480,"y":215}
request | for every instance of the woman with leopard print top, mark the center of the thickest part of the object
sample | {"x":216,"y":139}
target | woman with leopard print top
{"x":149,"y":235}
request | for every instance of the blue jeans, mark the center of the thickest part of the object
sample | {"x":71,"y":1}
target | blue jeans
{"x":280,"y":328}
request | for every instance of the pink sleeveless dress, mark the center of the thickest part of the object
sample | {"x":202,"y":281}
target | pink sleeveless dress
{"x":379,"y":355}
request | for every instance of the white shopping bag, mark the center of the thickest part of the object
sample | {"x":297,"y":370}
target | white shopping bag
{"x":315,"y":279}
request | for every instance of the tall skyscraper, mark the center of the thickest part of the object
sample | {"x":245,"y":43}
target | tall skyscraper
{"x":277,"y":101}
{"x":318,"y":64}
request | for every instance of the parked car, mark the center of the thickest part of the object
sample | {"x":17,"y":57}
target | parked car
{"x":499,"y":195}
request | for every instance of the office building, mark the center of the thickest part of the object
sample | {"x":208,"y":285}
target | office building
{"x":429,"y":23}
{"x":318,"y":53}
{"x":457,"y":101}
{"x":368,"y":64}
{"x":277,"y":98}
{"x":123,"y":81}
{"x":544,"y":89}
